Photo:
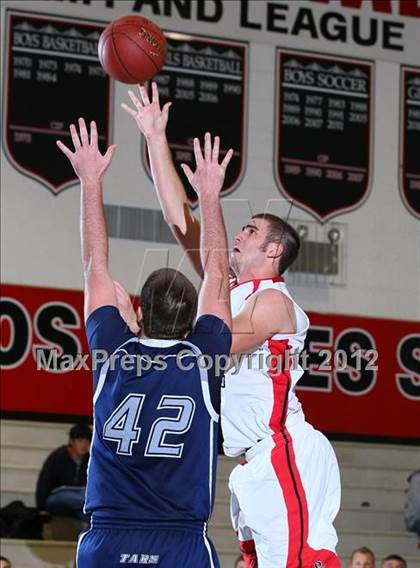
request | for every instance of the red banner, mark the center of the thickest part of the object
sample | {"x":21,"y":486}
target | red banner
{"x":33,"y":319}
{"x":362,"y":374}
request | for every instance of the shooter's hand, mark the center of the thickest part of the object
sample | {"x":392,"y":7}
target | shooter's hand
{"x":150,"y":118}
{"x":209,"y":174}
{"x":87,"y":161}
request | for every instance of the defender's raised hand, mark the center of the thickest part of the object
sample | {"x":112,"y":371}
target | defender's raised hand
{"x":209,"y":174}
{"x":87,"y":161}
{"x":150,"y":118}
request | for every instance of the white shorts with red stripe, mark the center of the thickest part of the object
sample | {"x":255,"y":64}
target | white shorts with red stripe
{"x":285,"y":498}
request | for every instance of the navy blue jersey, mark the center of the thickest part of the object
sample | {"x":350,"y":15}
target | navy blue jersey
{"x":154,"y":449}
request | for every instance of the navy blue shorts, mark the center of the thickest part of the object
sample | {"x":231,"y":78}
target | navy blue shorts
{"x":112,"y":548}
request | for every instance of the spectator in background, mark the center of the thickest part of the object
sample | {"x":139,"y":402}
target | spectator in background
{"x":5,"y":562}
{"x":362,"y":558}
{"x":240,"y":562}
{"x":412,"y":506}
{"x":62,"y":480}
{"x":394,"y":561}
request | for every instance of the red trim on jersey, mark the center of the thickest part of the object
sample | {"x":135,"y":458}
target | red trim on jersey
{"x":283,"y":457}
{"x":255,"y":287}
{"x":281,"y":383}
{"x":258,"y":280}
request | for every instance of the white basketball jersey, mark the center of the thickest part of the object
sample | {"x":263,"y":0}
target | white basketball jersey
{"x":256,"y":401}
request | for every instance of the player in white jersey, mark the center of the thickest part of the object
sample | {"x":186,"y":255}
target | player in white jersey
{"x":286,"y":494}
{"x":245,"y":422}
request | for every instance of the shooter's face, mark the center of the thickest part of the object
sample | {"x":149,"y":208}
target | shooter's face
{"x":249,"y":248}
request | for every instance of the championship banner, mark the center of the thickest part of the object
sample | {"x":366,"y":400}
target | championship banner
{"x":362,"y":375}
{"x":324,"y":126}
{"x":410,"y":139}
{"x":206,"y":79}
{"x":52,"y":77}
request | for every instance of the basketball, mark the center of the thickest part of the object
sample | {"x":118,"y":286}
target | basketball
{"x":132,"y":49}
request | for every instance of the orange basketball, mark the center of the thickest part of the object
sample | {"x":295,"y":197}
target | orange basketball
{"x":132,"y":49}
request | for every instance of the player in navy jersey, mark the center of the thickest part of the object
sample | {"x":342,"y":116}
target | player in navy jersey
{"x":151,"y":475}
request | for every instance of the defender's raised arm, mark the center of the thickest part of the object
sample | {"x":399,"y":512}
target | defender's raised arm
{"x":207,"y":180}
{"x":90,"y":166}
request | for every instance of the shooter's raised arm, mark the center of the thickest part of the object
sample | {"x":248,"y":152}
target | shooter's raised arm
{"x":152,"y":121}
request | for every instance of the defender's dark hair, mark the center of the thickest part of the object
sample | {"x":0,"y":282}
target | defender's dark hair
{"x":169,"y":304}
{"x":81,"y":430}
{"x":283,"y":234}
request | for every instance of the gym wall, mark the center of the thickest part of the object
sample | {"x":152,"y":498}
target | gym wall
{"x":321,"y":102}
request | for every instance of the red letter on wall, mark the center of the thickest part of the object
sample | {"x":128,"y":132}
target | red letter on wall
{"x":377,"y":5}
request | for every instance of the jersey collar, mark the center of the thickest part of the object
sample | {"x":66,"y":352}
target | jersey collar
{"x":257,"y":281}
{"x":159,"y":342}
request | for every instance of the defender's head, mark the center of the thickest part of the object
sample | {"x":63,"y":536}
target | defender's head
{"x":168,"y":305}
{"x":266,"y":246}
